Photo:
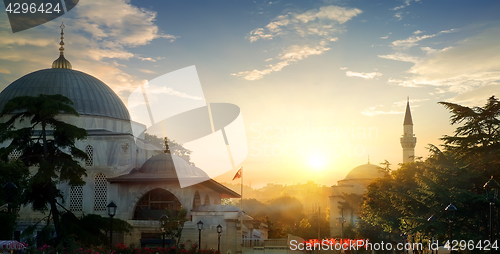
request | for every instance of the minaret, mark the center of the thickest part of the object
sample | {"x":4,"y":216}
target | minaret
{"x":408,"y":141}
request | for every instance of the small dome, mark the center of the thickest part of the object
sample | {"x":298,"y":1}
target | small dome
{"x":366,"y":171}
{"x":89,"y":95}
{"x":164,"y":164}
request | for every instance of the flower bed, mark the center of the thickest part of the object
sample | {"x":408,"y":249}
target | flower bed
{"x":123,"y":249}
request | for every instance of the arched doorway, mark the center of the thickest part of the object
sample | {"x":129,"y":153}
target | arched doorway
{"x":154,"y":203}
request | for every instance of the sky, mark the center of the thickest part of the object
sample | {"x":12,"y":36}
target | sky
{"x":322,"y":85}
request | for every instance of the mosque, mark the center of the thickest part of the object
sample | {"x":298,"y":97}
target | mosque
{"x":142,"y":183}
{"x":359,"y":177}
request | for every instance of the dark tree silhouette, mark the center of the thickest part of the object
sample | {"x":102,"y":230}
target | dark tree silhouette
{"x":46,"y":143}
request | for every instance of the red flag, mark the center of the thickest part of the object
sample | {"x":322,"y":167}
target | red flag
{"x":238,"y":174}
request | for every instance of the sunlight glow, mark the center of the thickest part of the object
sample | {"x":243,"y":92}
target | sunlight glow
{"x":316,"y":161}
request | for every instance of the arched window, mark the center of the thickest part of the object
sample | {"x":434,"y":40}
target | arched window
{"x":207,"y":200}
{"x":196,"y":200}
{"x":154,"y":203}
{"x":14,"y":155}
{"x":100,"y":192}
{"x":76,"y":198}
{"x":90,"y":153}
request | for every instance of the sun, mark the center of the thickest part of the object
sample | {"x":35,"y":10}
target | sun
{"x":317,"y":161}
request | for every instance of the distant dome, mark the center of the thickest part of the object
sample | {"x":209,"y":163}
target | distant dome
{"x":89,"y":95}
{"x":164,"y":164}
{"x":366,"y":171}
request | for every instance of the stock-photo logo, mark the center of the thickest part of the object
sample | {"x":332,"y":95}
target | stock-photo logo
{"x":25,"y":14}
{"x":173,"y":107}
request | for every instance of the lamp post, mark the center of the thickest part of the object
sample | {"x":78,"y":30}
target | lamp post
{"x":111,"y":212}
{"x":451,"y":208}
{"x":432,"y":219}
{"x":219,"y":230}
{"x":200,"y":227}
{"x":163,"y":220}
{"x":491,"y":188}
{"x":403,"y":237}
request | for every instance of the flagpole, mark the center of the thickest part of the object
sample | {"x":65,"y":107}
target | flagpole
{"x":241,"y":202}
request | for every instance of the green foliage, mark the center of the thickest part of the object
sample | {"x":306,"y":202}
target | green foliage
{"x":174,"y":224}
{"x":402,"y":201}
{"x":91,"y":229}
{"x":173,"y":147}
{"x":18,"y":173}
{"x":44,"y":142}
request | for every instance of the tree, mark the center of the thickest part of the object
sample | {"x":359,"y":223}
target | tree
{"x":170,"y":146}
{"x":46,"y":143}
{"x":173,"y":224}
{"x":18,"y":173}
{"x":403,"y":200}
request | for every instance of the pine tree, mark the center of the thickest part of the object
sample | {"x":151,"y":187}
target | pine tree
{"x":46,"y":143}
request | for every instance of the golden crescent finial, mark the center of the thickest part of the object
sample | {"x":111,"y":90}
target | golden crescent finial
{"x":61,"y":62}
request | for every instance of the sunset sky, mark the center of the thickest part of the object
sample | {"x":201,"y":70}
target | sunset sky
{"x":322,"y":85}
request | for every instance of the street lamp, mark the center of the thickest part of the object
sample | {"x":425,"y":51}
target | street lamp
{"x":219,"y":230}
{"x":111,"y":212}
{"x":163,"y":220}
{"x":491,"y":188}
{"x":200,"y":227}
{"x":432,"y":219}
{"x":9,"y":191}
{"x":451,"y":208}
{"x":404,"y":238}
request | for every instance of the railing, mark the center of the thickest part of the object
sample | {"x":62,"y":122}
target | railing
{"x":257,"y":242}
{"x":252,"y":242}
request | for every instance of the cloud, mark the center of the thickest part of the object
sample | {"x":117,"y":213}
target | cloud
{"x":469,"y":65}
{"x":395,"y":109}
{"x":399,"y":14}
{"x":375,"y":111}
{"x":311,"y":22}
{"x":400,"y":57}
{"x":4,"y":71}
{"x":171,"y":91}
{"x":146,"y":59}
{"x":146,"y":71}
{"x":478,"y":96}
{"x":343,"y":68}
{"x":97,"y":34}
{"x":385,"y":37}
{"x":365,"y":75}
{"x":119,"y":21}
{"x":406,"y":3}
{"x":412,"y":40}
{"x":315,"y":29}
{"x":290,"y":55}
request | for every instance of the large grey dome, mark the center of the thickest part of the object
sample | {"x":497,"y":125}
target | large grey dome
{"x":89,"y":95}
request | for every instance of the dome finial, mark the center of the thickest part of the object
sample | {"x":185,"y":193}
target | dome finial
{"x":61,"y":62}
{"x":61,"y":49}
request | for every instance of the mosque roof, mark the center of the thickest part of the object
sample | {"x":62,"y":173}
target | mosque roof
{"x":366,"y":171}
{"x":160,"y":168}
{"x":89,"y":95}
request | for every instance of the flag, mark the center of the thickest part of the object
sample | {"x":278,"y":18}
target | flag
{"x":238,"y":174}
